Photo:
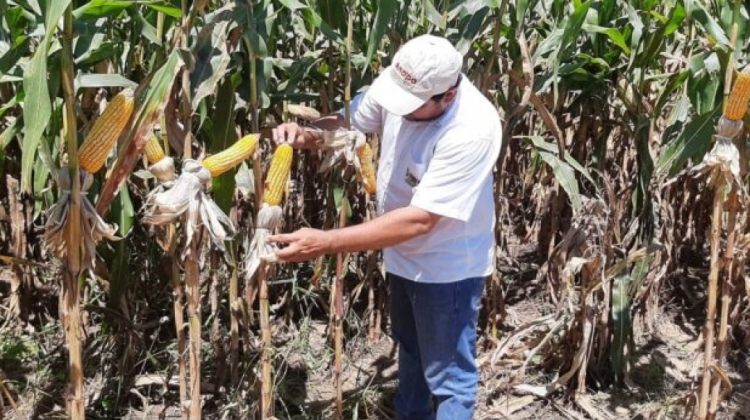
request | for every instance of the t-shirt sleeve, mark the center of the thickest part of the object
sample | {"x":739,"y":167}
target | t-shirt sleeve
{"x":367,"y":115}
{"x":455,"y":176}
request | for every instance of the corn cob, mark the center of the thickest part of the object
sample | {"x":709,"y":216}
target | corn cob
{"x":367,"y":170}
{"x":231,"y":157}
{"x":153,"y":150}
{"x":105,"y":132}
{"x":737,"y":102}
{"x":278,"y":175}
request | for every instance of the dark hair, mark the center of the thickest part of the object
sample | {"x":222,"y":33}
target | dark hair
{"x":439,"y":97}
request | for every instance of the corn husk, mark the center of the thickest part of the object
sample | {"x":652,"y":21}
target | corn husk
{"x":163,"y":170}
{"x":93,"y":227}
{"x":186,"y":199}
{"x":269,"y":219}
{"x":341,"y":145}
{"x":721,"y":165}
{"x":344,"y":145}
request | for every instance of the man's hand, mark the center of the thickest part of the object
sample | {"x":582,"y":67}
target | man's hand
{"x":292,"y":134}
{"x":304,"y":244}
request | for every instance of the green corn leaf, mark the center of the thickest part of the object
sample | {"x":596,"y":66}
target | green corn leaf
{"x":96,"y":9}
{"x":167,"y":9}
{"x":613,"y":34}
{"x":223,"y":136}
{"x":37,"y":102}
{"x":386,"y":9}
{"x":540,"y":144}
{"x":694,"y":141}
{"x":710,"y":25}
{"x":621,"y":324}
{"x":211,"y":61}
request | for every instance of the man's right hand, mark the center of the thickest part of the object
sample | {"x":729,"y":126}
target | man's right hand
{"x":301,"y":138}
{"x":292,"y":134}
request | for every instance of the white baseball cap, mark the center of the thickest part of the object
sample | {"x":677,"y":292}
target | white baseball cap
{"x":423,"y":67}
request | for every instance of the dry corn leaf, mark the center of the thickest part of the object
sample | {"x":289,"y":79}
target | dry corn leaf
{"x":509,"y":405}
{"x":93,"y":227}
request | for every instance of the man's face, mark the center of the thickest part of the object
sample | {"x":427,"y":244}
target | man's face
{"x":433,"y":108}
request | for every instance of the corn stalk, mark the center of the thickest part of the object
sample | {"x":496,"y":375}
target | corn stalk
{"x":70,"y":298}
{"x":179,"y":317}
{"x":373,"y":297}
{"x":266,"y":379}
{"x":234,"y":313}
{"x":733,"y":205}
{"x":192,"y":288}
{"x":713,"y":281}
{"x":341,"y":258}
{"x":18,"y":218}
{"x":266,"y":384}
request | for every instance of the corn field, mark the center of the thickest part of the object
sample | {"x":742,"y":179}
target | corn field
{"x":138,"y":183}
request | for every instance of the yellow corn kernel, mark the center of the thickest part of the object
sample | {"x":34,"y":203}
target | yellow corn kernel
{"x":737,"y":102}
{"x":153,"y":150}
{"x":223,"y":161}
{"x":278,"y":175}
{"x":105,"y":132}
{"x":367,"y":175}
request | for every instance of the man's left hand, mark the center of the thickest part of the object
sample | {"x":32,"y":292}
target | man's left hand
{"x":304,"y":244}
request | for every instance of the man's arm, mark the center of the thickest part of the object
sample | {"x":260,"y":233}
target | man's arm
{"x":300,"y":138}
{"x":387,"y":230}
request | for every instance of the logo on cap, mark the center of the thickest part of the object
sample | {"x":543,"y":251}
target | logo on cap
{"x":408,"y":77}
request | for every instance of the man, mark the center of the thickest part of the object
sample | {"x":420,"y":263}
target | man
{"x":440,"y":142}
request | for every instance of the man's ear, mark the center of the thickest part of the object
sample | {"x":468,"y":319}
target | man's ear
{"x":450,"y":95}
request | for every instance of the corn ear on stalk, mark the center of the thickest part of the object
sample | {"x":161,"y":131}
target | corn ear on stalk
{"x":278,"y":175}
{"x":153,"y":150}
{"x":738,"y":98}
{"x":231,"y":157}
{"x":366,"y":173}
{"x":105,"y":132}
{"x":270,"y":214}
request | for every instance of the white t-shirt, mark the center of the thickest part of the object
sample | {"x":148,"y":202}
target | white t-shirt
{"x":445,"y":167}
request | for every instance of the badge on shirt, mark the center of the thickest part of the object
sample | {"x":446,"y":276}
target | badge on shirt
{"x":411,"y":179}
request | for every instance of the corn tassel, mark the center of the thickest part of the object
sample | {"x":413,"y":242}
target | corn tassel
{"x":278,"y":175}
{"x":231,"y":157}
{"x":153,"y":150}
{"x":366,"y":174}
{"x":738,"y":99}
{"x":105,"y":132}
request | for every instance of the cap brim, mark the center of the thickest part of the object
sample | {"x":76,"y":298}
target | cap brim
{"x":395,"y":99}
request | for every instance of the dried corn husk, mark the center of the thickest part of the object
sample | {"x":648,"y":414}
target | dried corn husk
{"x":729,"y":128}
{"x":722,"y":164}
{"x":93,"y":227}
{"x":269,"y":219}
{"x":347,"y":145}
{"x":341,"y":144}
{"x":163,"y":170}
{"x":187,"y":197}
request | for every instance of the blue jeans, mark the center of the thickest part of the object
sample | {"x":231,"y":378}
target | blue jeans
{"x":435,"y":326}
